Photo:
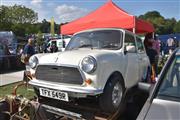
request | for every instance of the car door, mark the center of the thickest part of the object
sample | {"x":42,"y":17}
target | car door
{"x":143,"y":59}
{"x":132,"y":61}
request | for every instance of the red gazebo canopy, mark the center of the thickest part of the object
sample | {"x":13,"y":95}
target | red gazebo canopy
{"x":108,"y":16}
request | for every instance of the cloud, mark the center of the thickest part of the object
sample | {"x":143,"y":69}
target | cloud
{"x":36,"y":4}
{"x":36,"y":1}
{"x":68,"y":13}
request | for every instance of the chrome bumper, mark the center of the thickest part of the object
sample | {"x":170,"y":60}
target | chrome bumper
{"x":74,"y":91}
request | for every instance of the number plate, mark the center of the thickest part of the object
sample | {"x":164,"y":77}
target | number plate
{"x":54,"y":94}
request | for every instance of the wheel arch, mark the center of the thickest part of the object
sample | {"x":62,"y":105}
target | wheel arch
{"x":115,"y":74}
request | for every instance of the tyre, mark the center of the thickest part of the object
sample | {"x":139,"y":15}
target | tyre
{"x":113,"y":96}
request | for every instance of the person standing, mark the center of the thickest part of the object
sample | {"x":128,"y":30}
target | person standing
{"x":28,"y":51}
{"x":148,"y":38}
{"x":156,"y":46}
{"x":44,"y":47}
{"x":170,"y":43}
{"x":53,"y":48}
{"x":152,"y":54}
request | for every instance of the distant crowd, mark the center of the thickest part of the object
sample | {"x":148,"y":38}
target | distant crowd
{"x":169,"y":45}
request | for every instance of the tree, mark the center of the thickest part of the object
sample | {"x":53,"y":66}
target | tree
{"x":162,"y":25}
{"x":19,"y":19}
{"x":31,"y":28}
{"x":150,"y":15}
{"x":18,"y":29}
{"x":5,"y":24}
{"x":57,"y":28}
{"x":21,"y":14}
{"x":45,"y":26}
{"x":177,"y":27}
{"x":52,"y":26}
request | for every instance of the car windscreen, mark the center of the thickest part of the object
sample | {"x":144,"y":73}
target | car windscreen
{"x":9,"y":39}
{"x":100,"y":39}
{"x":6,"y":37}
{"x":170,"y":86}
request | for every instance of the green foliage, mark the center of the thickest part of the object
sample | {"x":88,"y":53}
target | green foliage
{"x":18,"y":29}
{"x":45,"y":26}
{"x":18,"y":19}
{"x":19,"y":14}
{"x":161,"y":63}
{"x":150,"y":15}
{"x":39,"y":39}
{"x":31,"y":28}
{"x":23,"y":21}
{"x":162,"y":25}
{"x":177,"y":27}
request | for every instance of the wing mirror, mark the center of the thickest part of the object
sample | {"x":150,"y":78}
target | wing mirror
{"x":130,"y":49}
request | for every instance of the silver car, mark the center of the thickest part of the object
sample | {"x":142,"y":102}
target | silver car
{"x":164,"y":101}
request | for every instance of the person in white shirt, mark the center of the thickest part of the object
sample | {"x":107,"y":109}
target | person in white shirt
{"x":170,"y":44}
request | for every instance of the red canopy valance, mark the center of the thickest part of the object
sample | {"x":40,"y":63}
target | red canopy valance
{"x":108,"y":16}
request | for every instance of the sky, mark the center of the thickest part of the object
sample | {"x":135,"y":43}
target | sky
{"x":68,"y":10}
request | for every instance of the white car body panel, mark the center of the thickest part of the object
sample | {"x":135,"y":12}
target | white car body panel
{"x":133,"y":68}
{"x":164,"y":110}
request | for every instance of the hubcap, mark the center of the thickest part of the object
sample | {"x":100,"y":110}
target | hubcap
{"x":117,"y":94}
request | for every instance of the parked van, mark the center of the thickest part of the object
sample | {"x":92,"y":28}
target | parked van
{"x":61,"y":42}
{"x":8,"y":51}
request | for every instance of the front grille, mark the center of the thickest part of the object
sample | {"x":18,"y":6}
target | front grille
{"x":59,"y":74}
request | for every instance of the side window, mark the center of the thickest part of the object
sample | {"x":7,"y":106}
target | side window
{"x":140,"y":46}
{"x":129,"y":41}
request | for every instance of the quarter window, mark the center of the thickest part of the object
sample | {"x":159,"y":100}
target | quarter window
{"x":129,"y":40}
{"x":140,"y":46}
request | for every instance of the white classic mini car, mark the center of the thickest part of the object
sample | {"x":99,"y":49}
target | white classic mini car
{"x":101,"y":63}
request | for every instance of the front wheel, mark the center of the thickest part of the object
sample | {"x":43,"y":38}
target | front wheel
{"x":113,"y":96}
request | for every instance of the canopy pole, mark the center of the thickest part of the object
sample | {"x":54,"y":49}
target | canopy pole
{"x":134,"y":28}
{"x":153,"y":35}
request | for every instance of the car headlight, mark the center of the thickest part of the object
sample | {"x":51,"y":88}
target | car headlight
{"x":33,"y":61}
{"x":89,"y":64}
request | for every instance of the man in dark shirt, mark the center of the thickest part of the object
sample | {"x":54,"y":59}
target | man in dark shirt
{"x":28,"y":51}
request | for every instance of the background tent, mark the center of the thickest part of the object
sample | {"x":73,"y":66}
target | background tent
{"x":107,"y":16}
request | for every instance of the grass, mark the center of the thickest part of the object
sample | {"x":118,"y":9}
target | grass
{"x":27,"y":92}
